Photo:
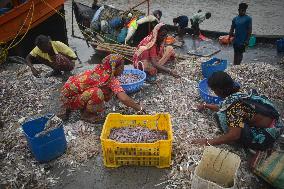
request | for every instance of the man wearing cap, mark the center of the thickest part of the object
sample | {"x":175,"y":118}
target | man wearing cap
{"x":242,"y":26}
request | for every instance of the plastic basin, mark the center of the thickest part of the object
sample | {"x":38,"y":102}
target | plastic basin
{"x":136,"y":86}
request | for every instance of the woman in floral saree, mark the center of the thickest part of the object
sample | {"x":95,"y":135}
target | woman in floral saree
{"x":246,"y":118}
{"x":152,"y":54}
{"x":89,"y":90}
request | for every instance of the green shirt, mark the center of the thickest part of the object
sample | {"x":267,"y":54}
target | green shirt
{"x":198,"y":18}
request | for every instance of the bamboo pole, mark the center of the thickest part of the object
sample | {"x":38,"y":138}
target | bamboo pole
{"x":133,"y":7}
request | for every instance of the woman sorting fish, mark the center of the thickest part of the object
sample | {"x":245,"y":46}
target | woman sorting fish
{"x":248,"y":119}
{"x":152,"y":54}
{"x":89,"y":90}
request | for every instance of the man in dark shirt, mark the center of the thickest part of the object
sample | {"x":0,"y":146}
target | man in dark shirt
{"x":182,"y":22}
{"x":242,"y":25}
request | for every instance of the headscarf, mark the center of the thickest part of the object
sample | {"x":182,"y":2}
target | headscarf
{"x":109,"y":65}
{"x":100,"y":76}
{"x":149,"y":41}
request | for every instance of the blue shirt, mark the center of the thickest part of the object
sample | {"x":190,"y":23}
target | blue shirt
{"x":182,"y":21}
{"x":241,"y":24}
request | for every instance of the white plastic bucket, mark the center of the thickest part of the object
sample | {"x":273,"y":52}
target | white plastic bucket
{"x":216,"y":170}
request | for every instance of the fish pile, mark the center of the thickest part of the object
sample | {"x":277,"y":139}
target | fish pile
{"x":129,"y":78}
{"x":51,"y":124}
{"x":137,"y":135}
{"x":83,"y":143}
{"x":265,"y":78}
{"x":188,"y":123}
{"x":22,"y":96}
{"x":26,"y":96}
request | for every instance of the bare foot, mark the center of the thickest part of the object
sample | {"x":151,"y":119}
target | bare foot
{"x":64,"y":114}
{"x":92,"y":118}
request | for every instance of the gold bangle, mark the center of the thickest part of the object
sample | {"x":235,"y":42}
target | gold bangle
{"x":207,"y":142}
{"x":141,"y":109}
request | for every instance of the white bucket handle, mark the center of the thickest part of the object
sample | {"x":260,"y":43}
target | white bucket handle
{"x":218,"y":170}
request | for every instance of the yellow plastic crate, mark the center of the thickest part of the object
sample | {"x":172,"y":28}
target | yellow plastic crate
{"x":142,"y":154}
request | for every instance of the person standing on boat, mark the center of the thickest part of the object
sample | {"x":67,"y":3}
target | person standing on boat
{"x":197,"y":19}
{"x":54,"y":54}
{"x":182,"y":22}
{"x":151,"y":54}
{"x":242,"y":25}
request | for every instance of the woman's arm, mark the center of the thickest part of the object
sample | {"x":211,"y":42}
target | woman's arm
{"x":129,"y":102}
{"x":233,"y":135}
{"x":203,"y":106}
{"x":162,"y":68}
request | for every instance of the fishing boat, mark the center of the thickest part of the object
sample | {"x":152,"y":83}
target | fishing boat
{"x":84,"y":15}
{"x":23,"y":20}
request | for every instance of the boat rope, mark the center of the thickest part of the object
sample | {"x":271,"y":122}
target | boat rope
{"x":88,"y":35}
{"x":29,"y":26}
{"x":98,"y":33}
{"x":4,"y":50}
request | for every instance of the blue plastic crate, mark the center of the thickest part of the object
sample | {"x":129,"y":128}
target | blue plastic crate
{"x":134,"y":87}
{"x":280,"y":45}
{"x":204,"y":93}
{"x":46,"y":147}
{"x":208,"y":67}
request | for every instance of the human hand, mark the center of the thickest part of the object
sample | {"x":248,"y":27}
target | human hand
{"x":201,"y":106}
{"x":201,"y":141}
{"x":174,"y":73}
{"x":35,"y":72}
{"x":142,"y":110}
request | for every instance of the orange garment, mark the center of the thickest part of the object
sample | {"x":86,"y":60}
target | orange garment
{"x":90,"y":89}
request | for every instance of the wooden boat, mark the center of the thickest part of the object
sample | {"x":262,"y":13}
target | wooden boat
{"x":84,"y":15}
{"x":20,"y":25}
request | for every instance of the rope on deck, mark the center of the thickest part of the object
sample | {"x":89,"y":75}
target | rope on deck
{"x":4,"y":50}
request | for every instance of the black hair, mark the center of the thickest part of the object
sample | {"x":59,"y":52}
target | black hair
{"x":208,"y":15}
{"x":157,"y":12}
{"x":42,"y":40}
{"x":243,"y":6}
{"x":223,"y":82}
{"x":175,"y":20}
{"x":164,"y":28}
{"x":199,"y":11}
